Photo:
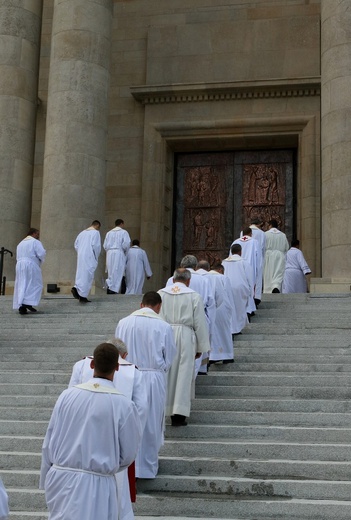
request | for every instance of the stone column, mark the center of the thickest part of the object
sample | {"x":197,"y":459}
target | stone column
{"x":336,"y":141}
{"x":20,"y":25}
{"x":76,"y":131}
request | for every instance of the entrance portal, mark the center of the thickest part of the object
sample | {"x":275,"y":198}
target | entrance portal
{"x":219,"y":193}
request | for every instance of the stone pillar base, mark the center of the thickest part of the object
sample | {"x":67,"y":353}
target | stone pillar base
{"x":330,"y":285}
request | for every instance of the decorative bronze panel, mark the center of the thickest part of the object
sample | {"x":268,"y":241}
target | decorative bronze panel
{"x":264,"y":193}
{"x":204,"y":212}
{"x":218,"y":193}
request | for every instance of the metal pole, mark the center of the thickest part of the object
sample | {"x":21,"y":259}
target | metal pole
{"x":2,"y":252}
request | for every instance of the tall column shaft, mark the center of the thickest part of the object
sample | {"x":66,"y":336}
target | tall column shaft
{"x":76,"y":130}
{"x":336,"y":138}
{"x":20,"y":26}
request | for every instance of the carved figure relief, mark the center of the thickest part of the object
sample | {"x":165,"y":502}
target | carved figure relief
{"x":204,"y":206}
{"x":264,"y":193}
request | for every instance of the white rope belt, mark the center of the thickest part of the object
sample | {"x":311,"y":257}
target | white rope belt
{"x":78,"y":470}
{"x":150,"y":369}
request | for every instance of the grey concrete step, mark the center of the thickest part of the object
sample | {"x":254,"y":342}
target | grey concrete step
{"x":257,"y":449}
{"x":296,"y":419}
{"x":241,"y":487}
{"x":271,"y":405}
{"x":302,"y":392}
{"x":277,"y":433}
{"x":284,"y":429}
{"x":23,"y":427}
{"x":233,"y":378}
{"x":249,"y":467}
{"x":226,"y":506}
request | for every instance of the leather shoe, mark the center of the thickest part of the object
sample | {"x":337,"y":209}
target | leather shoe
{"x":30,"y":308}
{"x":111,"y":292}
{"x":83,"y":300}
{"x":75,"y":293}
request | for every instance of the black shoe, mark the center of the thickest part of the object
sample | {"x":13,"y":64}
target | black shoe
{"x":111,"y":292}
{"x":22,"y":310}
{"x":75,"y":293}
{"x":212,"y":362}
{"x":30,"y":308}
{"x":226,"y":361}
{"x":275,"y":290}
{"x":257,"y":301}
{"x":178,"y":420}
{"x":84,"y":300}
{"x":202,"y":373}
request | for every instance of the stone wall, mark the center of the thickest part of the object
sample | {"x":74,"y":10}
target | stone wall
{"x":196,"y":48}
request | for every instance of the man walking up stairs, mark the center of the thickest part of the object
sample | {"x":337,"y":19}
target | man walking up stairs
{"x":269,"y":436}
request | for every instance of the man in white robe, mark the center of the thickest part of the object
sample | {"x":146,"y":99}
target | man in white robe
{"x":251,"y":252}
{"x":216,"y":292}
{"x":260,"y":236}
{"x":4,"y":502}
{"x":116,"y":245}
{"x":236,"y":269}
{"x":151,"y":347}
{"x":88,"y":248}
{"x":296,"y":269}
{"x":128,"y":381}
{"x":137,"y":267}
{"x":274,"y":266}
{"x":183,"y":309}
{"x":221,"y":341}
{"x":30,"y":255}
{"x":93,"y":433}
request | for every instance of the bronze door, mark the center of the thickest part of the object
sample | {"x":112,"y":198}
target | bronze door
{"x":218,"y":193}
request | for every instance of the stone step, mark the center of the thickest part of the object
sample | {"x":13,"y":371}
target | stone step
{"x":25,"y":413}
{"x":277,"y":433}
{"x":12,"y":389}
{"x":257,"y":449}
{"x":222,"y":417}
{"x":25,"y":515}
{"x":23,"y":427}
{"x":226,"y":507}
{"x":303,"y":392}
{"x":272,"y":379}
{"x":276,"y":469}
{"x":271,"y":405}
{"x":15,"y":443}
{"x":300,"y":368}
{"x":241,"y":488}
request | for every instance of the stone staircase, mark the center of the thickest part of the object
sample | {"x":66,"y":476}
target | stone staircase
{"x":268,"y":438}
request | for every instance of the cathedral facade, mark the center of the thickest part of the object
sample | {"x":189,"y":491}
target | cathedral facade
{"x":185,"y":118}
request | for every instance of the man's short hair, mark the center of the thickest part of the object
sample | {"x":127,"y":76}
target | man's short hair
{"x":273,"y":223}
{"x":135,"y":242}
{"x":189,"y":261}
{"x":203,"y":264}
{"x":295,"y":242}
{"x":218,"y":267}
{"x":96,"y":223}
{"x":236,"y":249}
{"x":256,"y":221}
{"x":181,"y":275}
{"x":32,"y":231}
{"x":247,"y":231}
{"x":151,"y":299}
{"x":118,"y":222}
{"x":105,"y":358}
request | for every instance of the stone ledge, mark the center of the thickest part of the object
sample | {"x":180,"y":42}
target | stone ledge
{"x":330,"y":285}
{"x":224,"y":91}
